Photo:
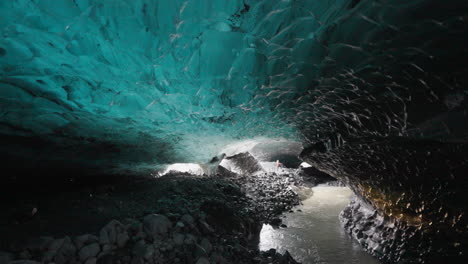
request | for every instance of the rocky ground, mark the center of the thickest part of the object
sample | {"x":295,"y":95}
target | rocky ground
{"x":395,"y":241}
{"x":178,"y":218}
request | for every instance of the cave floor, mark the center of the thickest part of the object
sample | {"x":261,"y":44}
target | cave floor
{"x":78,"y":211}
{"x":87,"y":208}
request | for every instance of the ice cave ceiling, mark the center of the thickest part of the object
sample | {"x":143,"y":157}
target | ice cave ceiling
{"x":121,"y":83}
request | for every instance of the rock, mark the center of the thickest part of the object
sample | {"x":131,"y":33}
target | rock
{"x":179,"y":239}
{"x":188,"y":219}
{"x":206,"y":245}
{"x":49,"y":255}
{"x":287,"y":259}
{"x":108,"y":234}
{"x":155,"y":225}
{"x":83,"y":240}
{"x":56,"y":244}
{"x":5,"y":257}
{"x":205,"y":227}
{"x":142,"y":250}
{"x":133,"y":226}
{"x":106,"y":248}
{"x":316,"y":176}
{"x":275,"y":221}
{"x":66,"y":251}
{"x":203,"y":260}
{"x":91,"y":261}
{"x":122,"y":239}
{"x":138,"y":236}
{"x":190,"y":239}
{"x":180,"y":225}
{"x":89,"y":251}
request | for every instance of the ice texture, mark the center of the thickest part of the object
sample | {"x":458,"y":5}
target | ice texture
{"x":376,"y":90}
{"x":164,"y":81}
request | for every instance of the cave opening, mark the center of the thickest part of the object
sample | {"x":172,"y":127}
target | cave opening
{"x":140,"y":131}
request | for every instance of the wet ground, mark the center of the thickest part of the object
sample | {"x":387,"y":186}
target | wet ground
{"x":314,"y":234}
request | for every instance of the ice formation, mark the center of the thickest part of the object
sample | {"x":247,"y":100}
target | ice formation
{"x":375,"y":90}
{"x":175,"y":81}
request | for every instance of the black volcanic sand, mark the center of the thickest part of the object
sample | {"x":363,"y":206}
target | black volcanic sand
{"x":236,"y":206}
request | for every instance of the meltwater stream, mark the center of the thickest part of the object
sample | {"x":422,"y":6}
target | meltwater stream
{"x":313,"y":233}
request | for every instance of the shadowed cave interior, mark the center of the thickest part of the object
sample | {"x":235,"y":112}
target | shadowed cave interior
{"x":266,"y":99}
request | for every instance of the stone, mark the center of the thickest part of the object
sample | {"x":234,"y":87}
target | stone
{"x":156,"y":225}
{"x":49,"y":255}
{"x":122,"y":239}
{"x":143,"y":250}
{"x":200,"y":251}
{"x":108,"y":234}
{"x":56,"y":244}
{"x":190,"y":239}
{"x":106,"y":248}
{"x":67,"y":249}
{"x":83,"y":240}
{"x":178,"y":239}
{"x":89,"y":251}
{"x":92,"y":260}
{"x":206,"y":245}
{"x":188,"y":219}
{"x":180,"y":225}
{"x":203,"y":260}
{"x":205,"y":227}
{"x":5,"y":257}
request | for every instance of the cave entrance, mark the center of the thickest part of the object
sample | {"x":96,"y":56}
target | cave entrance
{"x":314,"y":233}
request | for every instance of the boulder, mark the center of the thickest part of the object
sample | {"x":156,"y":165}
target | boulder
{"x":242,"y":163}
{"x":315,"y":176}
{"x":49,"y":255}
{"x":5,"y":257}
{"x":89,"y":251}
{"x":122,"y":239}
{"x":156,"y":225}
{"x":56,"y":244}
{"x":92,"y":260}
{"x":67,"y":250}
{"x":206,"y":245}
{"x":143,"y":250}
{"x":108,"y":234}
{"x":179,"y":239}
{"x":188,"y":219}
{"x":203,"y":260}
{"x":83,"y":240}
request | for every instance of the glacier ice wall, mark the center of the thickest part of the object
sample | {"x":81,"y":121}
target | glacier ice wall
{"x":376,"y":90}
{"x":119,"y":82}
{"x":124,"y":82}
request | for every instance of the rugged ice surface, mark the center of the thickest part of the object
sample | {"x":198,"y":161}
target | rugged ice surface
{"x":125,"y":82}
{"x":376,"y":90}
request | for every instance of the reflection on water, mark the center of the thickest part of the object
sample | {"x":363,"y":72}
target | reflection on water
{"x":315,"y":235}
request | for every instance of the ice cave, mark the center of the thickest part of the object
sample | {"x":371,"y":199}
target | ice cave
{"x":233,"y":131}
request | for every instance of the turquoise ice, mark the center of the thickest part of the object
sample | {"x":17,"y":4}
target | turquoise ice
{"x":125,"y":81}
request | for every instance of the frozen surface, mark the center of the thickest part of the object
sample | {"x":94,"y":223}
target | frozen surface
{"x":120,"y":82}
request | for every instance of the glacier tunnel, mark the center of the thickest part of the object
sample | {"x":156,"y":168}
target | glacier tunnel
{"x":98,"y":97}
